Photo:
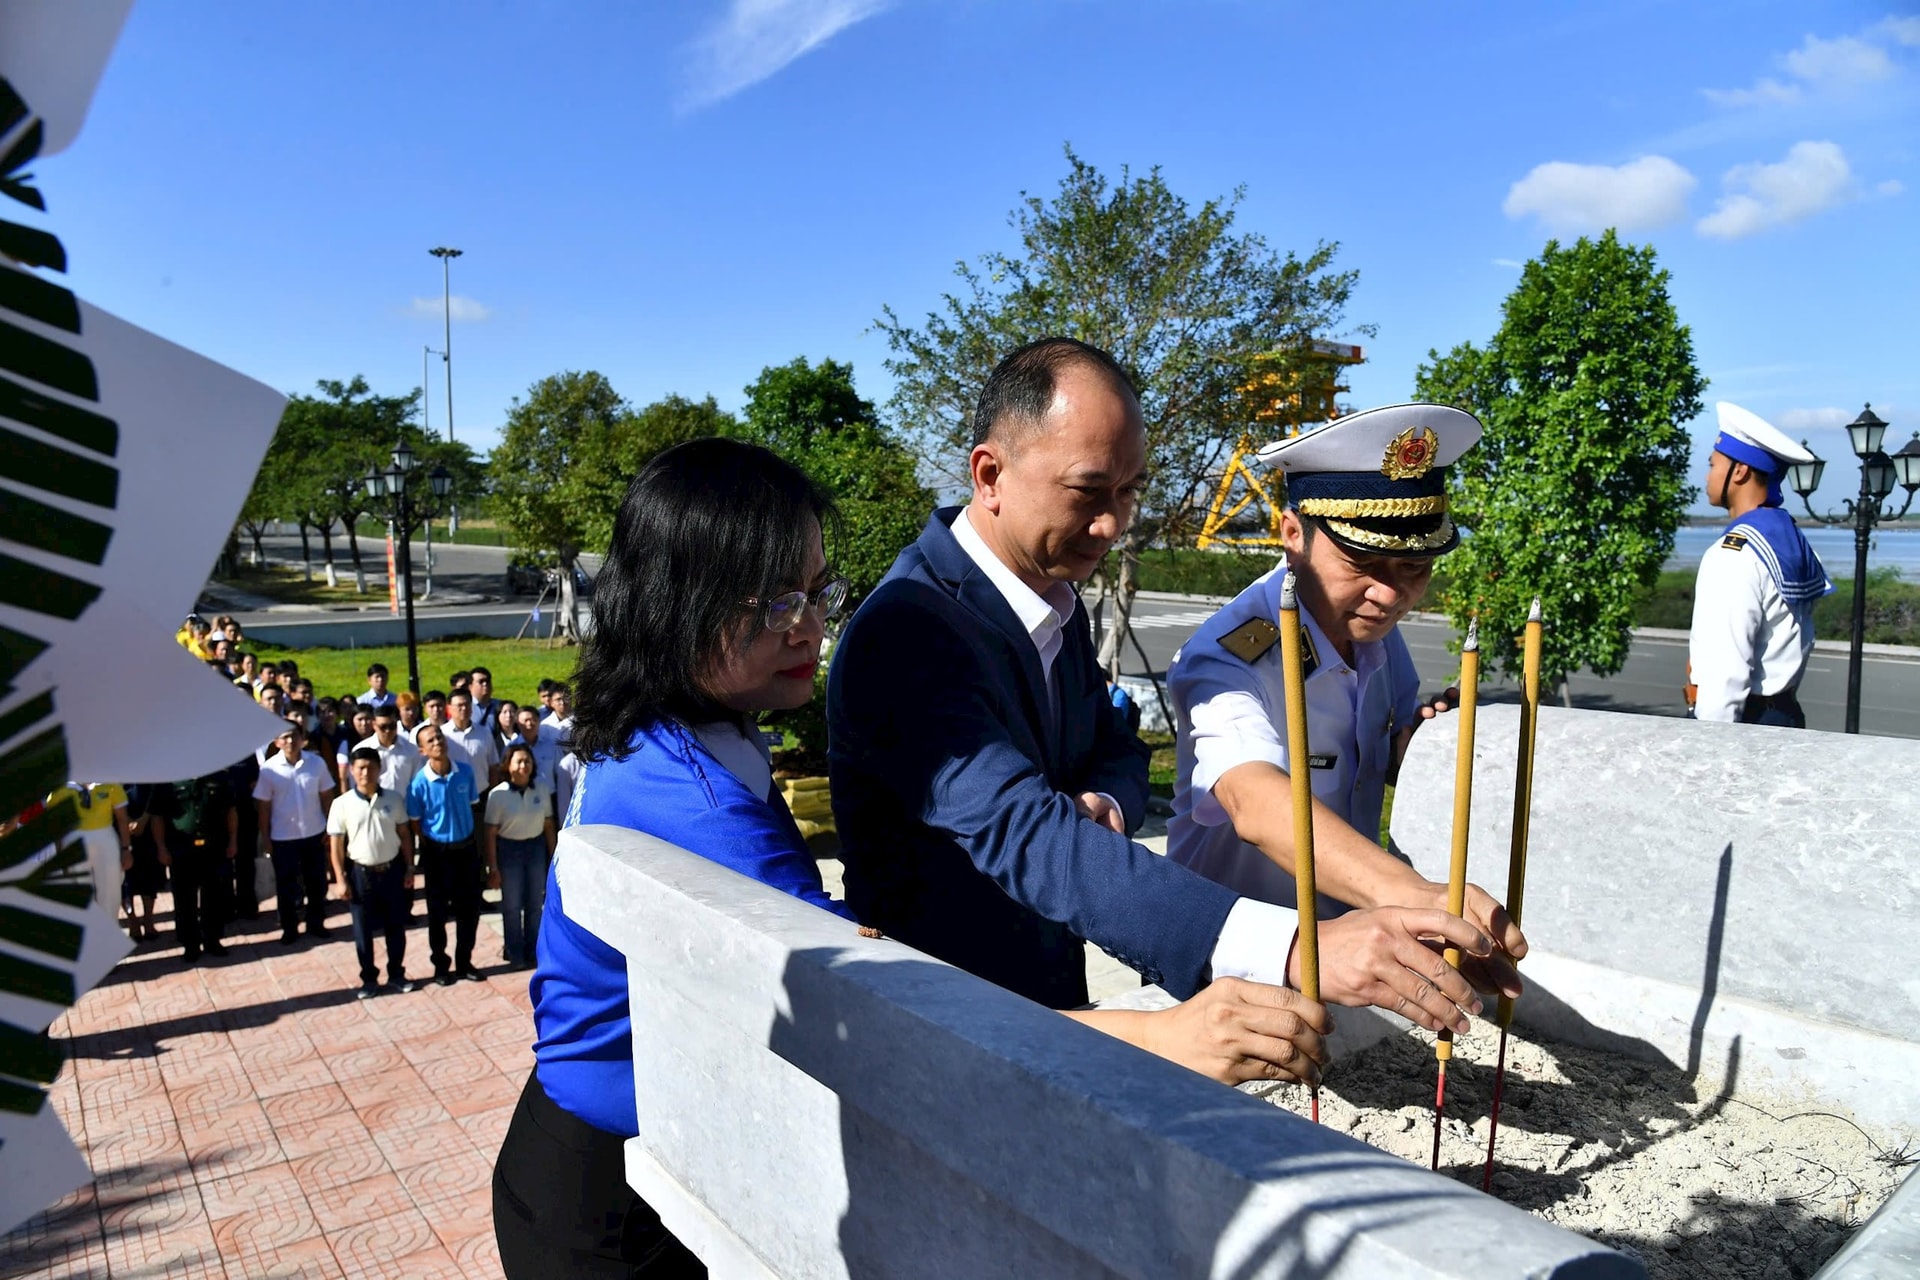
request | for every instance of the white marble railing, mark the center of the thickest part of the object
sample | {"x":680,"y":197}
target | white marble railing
{"x":814,"y":1103}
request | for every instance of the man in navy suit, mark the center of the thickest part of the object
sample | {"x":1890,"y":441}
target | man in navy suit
{"x":982,"y":785}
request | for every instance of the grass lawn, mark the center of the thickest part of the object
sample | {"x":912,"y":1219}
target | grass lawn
{"x":517,"y":665}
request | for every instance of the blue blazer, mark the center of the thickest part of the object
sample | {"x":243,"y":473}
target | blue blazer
{"x":954,"y":796}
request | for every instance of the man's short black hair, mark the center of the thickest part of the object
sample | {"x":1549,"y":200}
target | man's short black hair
{"x":358,"y":707}
{"x":481,"y":671}
{"x":546,"y":685}
{"x":364,"y":753}
{"x":386,"y":711}
{"x":288,"y":667}
{"x":1020,"y":388}
{"x":433,"y":695}
{"x":458,"y":680}
{"x":376,"y":669}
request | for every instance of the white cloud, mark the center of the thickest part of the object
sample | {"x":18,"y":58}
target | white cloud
{"x":1767,"y":92}
{"x":1814,"y":176}
{"x":756,"y":38}
{"x":1513,"y":264}
{"x":1793,"y":420}
{"x":1648,"y":192}
{"x":1839,"y":66}
{"x":462,"y":309}
{"x":1891,"y":187}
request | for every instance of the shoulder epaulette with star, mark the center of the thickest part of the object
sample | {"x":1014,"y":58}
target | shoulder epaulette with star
{"x":1252,"y":638}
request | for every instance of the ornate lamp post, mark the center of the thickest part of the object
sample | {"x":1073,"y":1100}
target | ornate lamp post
{"x":1878,"y":475}
{"x":446,"y":257}
{"x":395,"y":485}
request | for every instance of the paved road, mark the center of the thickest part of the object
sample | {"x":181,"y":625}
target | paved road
{"x":1649,"y":684}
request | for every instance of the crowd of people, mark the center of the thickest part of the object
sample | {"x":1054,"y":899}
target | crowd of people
{"x":363,"y":798}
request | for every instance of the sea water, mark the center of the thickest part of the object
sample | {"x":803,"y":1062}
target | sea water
{"x":1887,"y":548}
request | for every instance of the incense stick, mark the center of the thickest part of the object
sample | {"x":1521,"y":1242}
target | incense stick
{"x":1462,"y":826}
{"x":1293,"y":676}
{"x":1517,"y":858}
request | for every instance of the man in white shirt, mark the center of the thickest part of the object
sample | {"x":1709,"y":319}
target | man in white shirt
{"x":372,"y":846}
{"x":399,"y":758}
{"x":472,"y":744}
{"x":558,"y":722}
{"x":377,"y":694}
{"x":547,"y":748}
{"x":1754,"y":595}
{"x":292,"y":795}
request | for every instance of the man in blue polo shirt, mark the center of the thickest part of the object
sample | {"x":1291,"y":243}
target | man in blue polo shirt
{"x":440,"y":802}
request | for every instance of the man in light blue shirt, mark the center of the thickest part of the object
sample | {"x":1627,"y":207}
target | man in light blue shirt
{"x":440,"y":802}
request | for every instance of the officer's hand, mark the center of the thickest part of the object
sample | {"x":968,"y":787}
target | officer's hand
{"x":1447,"y":700}
{"x":1390,"y":957}
{"x":1236,"y":1031}
{"x":1097,"y":808}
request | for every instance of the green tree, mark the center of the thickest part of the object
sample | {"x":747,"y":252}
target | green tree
{"x":665,"y":423}
{"x":331,"y":440}
{"x":812,"y":416}
{"x":1581,"y":479}
{"x":1184,"y":302}
{"x":560,"y":470}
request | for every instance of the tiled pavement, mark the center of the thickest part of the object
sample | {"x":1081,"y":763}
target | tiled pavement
{"x":248,"y":1117}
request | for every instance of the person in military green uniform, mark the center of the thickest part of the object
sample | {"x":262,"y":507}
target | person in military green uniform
{"x":199,"y":838}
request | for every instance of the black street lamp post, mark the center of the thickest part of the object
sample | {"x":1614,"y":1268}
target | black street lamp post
{"x":392,"y":484}
{"x":1878,"y":474}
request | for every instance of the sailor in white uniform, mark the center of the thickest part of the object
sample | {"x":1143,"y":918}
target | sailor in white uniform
{"x":1753,"y":600}
{"x":1366,"y":518}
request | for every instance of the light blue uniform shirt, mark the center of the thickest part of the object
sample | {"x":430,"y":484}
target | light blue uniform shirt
{"x":443,"y":803}
{"x":1230,"y":712}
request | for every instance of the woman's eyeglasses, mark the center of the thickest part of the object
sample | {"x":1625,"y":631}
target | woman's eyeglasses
{"x":783,"y":611}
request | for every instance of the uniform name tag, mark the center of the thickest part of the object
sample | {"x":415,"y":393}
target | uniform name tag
{"x":1322,"y":761}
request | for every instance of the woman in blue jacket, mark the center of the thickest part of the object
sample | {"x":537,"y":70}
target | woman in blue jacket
{"x":710,"y":609}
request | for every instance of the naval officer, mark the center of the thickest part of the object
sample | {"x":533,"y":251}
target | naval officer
{"x":1753,"y":600}
{"x":1366,"y":517}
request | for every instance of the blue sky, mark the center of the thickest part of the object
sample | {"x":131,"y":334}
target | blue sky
{"x":679,"y":195}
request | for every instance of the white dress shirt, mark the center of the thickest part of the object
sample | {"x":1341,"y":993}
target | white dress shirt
{"x":398,"y":763}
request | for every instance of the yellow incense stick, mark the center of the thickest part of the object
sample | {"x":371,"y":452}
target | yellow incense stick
{"x":1293,"y":677}
{"x":1523,"y":781}
{"x":1462,"y":802}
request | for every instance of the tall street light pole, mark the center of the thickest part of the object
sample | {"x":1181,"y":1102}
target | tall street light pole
{"x":446,"y":256}
{"x":1878,"y":474}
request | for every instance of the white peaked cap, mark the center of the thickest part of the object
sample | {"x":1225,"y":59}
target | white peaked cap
{"x":1750,"y":428}
{"x":1358,"y":441}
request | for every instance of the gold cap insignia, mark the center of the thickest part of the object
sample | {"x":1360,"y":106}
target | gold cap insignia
{"x":1411,"y":454}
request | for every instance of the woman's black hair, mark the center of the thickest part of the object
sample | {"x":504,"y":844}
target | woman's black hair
{"x":704,"y":526}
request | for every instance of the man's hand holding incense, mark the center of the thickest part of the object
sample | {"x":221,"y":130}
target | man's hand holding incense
{"x":1233,"y":1031}
{"x":1389,"y":957}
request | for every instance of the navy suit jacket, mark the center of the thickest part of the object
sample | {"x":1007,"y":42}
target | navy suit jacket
{"x":954,"y":796}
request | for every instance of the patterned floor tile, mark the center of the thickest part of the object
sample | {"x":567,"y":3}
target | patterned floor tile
{"x":300,"y":1138}
{"x":418,"y":1049}
{"x":370,"y":1248}
{"x":251,"y":1192}
{"x":349,"y":1161}
{"x":481,"y":1095}
{"x":405,"y":1148}
{"x":347,"y":1204}
{"x":488,"y":1129}
{"x":308,"y":1259}
{"x":479,"y":1255}
{"x":306,"y":1104}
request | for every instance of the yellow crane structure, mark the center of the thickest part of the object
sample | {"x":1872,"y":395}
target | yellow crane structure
{"x":1288,"y":390}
